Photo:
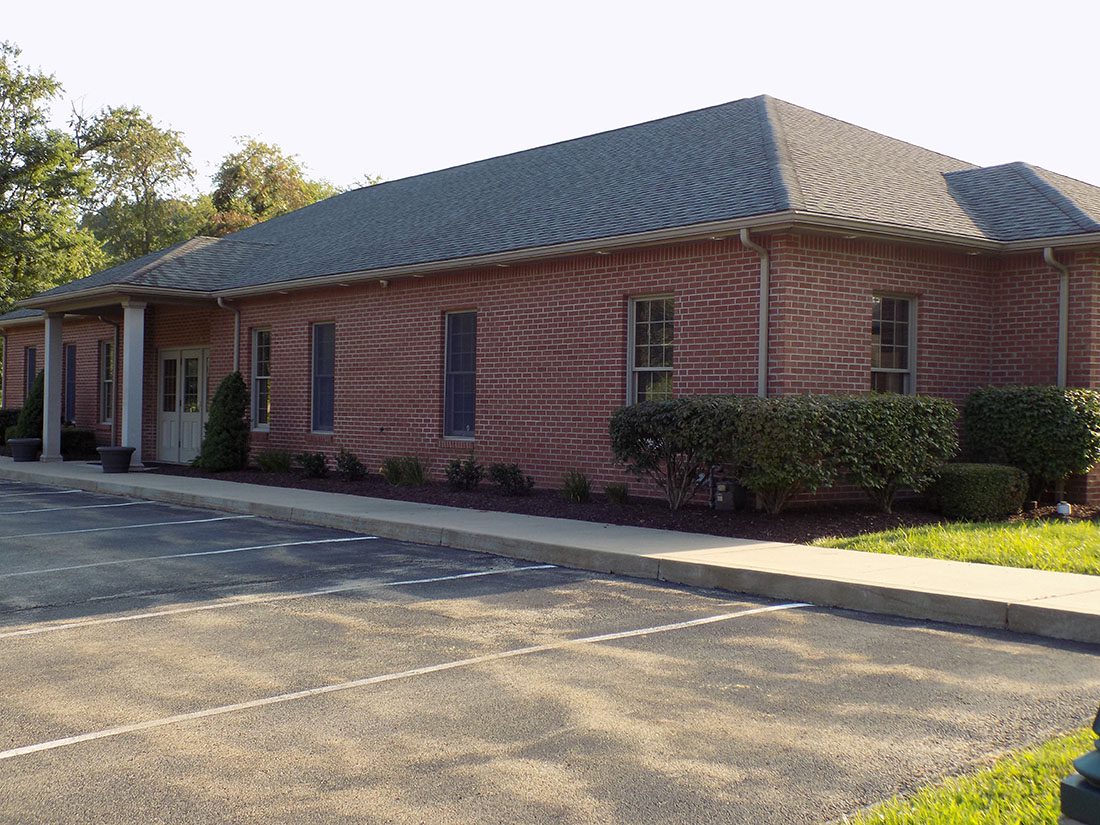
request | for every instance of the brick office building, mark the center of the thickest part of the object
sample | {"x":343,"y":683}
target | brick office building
{"x":510,"y":305}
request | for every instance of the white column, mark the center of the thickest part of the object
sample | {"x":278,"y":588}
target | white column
{"x":133,"y":376}
{"x":51,"y":395}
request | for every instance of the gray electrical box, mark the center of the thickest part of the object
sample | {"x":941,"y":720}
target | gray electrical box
{"x":725,"y":495}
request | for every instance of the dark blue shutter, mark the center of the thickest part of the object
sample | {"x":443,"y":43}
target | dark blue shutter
{"x":31,"y":365}
{"x":324,"y":374}
{"x":70,"y":382}
{"x":460,"y":389}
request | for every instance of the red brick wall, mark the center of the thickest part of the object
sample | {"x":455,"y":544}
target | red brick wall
{"x":86,"y":335}
{"x":820,"y":334}
{"x":552,"y":341}
{"x":551,"y":354}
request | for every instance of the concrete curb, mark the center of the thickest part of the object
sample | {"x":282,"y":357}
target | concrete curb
{"x":1070,"y":611}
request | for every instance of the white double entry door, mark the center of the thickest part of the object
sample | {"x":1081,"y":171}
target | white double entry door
{"x":181,"y":404}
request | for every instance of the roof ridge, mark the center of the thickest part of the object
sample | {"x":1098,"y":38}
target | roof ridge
{"x":872,"y":131}
{"x":170,"y":254}
{"x":577,"y":139}
{"x":1056,"y":197}
{"x":785,"y":172}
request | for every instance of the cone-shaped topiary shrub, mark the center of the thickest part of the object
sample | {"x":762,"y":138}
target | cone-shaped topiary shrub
{"x":29,"y":423}
{"x":225,"y":443}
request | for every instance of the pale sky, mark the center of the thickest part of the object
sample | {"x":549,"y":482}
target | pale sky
{"x":401,"y":88}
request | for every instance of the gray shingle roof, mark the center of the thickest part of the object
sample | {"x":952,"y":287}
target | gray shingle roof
{"x":1015,"y":202}
{"x":747,"y":158}
{"x":846,"y":171}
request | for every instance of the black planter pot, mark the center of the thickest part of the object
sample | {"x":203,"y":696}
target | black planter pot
{"x":115,"y":459}
{"x":25,"y":449}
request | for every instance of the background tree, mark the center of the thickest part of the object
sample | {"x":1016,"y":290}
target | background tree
{"x":258,"y":182}
{"x":140,"y":170}
{"x":42,"y":184}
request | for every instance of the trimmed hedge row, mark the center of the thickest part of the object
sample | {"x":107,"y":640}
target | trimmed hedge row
{"x":979,"y":492}
{"x":1048,"y":432}
{"x":779,"y":447}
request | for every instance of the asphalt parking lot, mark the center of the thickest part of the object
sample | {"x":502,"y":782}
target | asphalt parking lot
{"x":168,"y":664}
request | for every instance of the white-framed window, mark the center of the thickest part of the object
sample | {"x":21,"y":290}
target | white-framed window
{"x":106,"y":382}
{"x":894,"y":344}
{"x":323,"y":399}
{"x":460,"y":375}
{"x":649,"y":351}
{"x":261,"y":379}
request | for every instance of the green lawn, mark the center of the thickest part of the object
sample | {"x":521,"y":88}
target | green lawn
{"x":1020,"y":789}
{"x":1071,"y":547}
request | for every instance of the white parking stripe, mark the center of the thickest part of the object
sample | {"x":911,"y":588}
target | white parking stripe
{"x":42,"y":493}
{"x":124,"y":527}
{"x":253,"y":600}
{"x":388,"y":677}
{"x":186,"y":555}
{"x":78,"y":507}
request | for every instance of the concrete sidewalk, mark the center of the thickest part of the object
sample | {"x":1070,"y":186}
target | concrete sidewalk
{"x":1057,"y":605}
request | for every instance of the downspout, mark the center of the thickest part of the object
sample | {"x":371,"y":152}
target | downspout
{"x":1063,"y":313}
{"x":765,"y":290}
{"x":114,"y":380}
{"x":236,"y":333}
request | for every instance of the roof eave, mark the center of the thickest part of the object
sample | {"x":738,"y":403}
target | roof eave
{"x":108,"y":293}
{"x":787,"y":219}
{"x":1060,"y":241}
{"x":768,"y":222}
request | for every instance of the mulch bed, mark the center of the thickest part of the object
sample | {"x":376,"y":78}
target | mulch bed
{"x":799,"y":525}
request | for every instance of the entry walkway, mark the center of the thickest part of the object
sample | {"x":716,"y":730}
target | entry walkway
{"x":1056,"y":605}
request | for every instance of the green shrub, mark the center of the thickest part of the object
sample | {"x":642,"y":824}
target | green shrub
{"x":274,"y":461}
{"x":979,"y":492}
{"x":1048,"y":432}
{"x":225,"y":442}
{"x":29,"y":422}
{"x":403,"y":471}
{"x":10,"y":433}
{"x":674,"y":442}
{"x":617,"y":493}
{"x":78,"y":442}
{"x":349,"y":467}
{"x":890,"y":442}
{"x":8,"y":418}
{"x":510,"y":480}
{"x":575,"y":487}
{"x":464,"y":473}
{"x":783,"y":446}
{"x":315,"y":465}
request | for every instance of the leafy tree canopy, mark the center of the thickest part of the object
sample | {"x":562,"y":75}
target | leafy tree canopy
{"x":42,"y":185}
{"x":261,"y":181}
{"x":139,"y":170}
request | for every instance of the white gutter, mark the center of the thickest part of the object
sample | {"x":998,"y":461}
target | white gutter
{"x":1063,"y":312}
{"x":236,"y":333}
{"x":788,"y":219}
{"x":765,"y":294}
{"x":679,"y":234}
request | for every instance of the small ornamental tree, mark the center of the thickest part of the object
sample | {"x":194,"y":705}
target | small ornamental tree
{"x":1048,"y":432}
{"x":29,"y":423}
{"x":674,"y":442}
{"x":225,"y":443}
{"x":886,"y":443}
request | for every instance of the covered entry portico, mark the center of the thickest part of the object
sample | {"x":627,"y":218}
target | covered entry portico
{"x":180,"y":375}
